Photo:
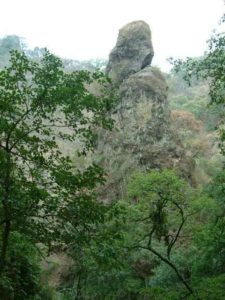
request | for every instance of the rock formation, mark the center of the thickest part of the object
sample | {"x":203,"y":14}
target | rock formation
{"x":133,"y":51}
{"x":142,"y":138}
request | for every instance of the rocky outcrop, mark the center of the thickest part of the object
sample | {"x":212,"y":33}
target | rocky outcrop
{"x":142,"y":138}
{"x":133,"y":51}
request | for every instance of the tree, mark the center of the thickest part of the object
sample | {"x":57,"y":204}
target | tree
{"x":158,"y":243}
{"x":42,"y":193}
{"x":163,"y":210}
{"x":211,"y":68}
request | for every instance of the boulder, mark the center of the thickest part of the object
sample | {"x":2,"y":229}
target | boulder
{"x":133,"y":51}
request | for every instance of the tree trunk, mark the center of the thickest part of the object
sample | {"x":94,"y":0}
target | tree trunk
{"x":6,"y":210}
{"x":79,"y":288}
{"x":5,"y":242}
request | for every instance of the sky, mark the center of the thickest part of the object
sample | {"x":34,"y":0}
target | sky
{"x":85,"y":29}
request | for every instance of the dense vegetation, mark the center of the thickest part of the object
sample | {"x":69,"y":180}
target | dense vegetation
{"x":164,"y":239}
{"x":42,"y":192}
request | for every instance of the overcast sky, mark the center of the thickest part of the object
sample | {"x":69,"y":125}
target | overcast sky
{"x":84,"y":29}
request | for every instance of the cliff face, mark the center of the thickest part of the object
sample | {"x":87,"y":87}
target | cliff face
{"x":143,"y":138}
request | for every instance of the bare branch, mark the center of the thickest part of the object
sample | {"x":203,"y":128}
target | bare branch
{"x":183,"y":220}
{"x":169,"y":263}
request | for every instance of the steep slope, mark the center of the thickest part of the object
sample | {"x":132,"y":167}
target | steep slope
{"x":143,"y":138}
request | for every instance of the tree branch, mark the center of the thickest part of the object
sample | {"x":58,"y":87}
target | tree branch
{"x":174,"y":239}
{"x":169,"y":263}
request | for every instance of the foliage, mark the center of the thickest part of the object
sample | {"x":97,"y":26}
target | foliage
{"x":127,"y":259}
{"x":166,"y":238}
{"x":7,"y":44}
{"x":101,"y":269}
{"x":21,"y":277}
{"x":210,"y":68}
{"x":118,"y":263}
{"x":199,"y":143}
{"x":90,"y":65}
{"x":164,"y":198}
{"x":162,"y":239}
{"x":43,"y":194}
{"x":14,"y":42}
{"x":211,"y":288}
{"x":204,"y":76}
{"x":192,"y":96}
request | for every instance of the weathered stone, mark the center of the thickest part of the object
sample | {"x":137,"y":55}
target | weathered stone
{"x":133,"y":51}
{"x":143,"y":137}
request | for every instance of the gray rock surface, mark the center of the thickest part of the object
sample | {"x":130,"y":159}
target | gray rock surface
{"x":142,"y":138}
{"x":133,"y":51}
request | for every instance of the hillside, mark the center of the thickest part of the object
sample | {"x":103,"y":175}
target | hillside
{"x":112,"y":185}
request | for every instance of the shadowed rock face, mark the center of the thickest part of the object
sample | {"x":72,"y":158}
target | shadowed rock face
{"x":143,"y":138}
{"x":133,"y":51}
